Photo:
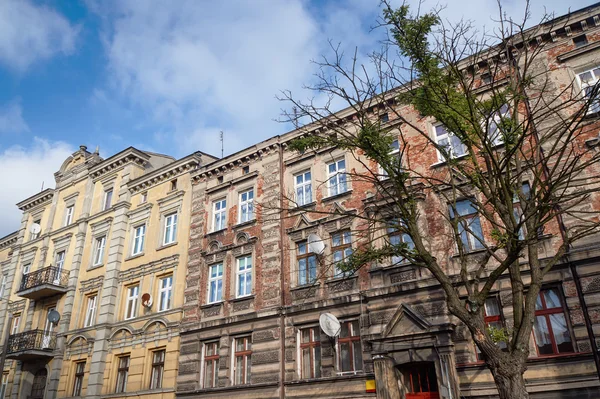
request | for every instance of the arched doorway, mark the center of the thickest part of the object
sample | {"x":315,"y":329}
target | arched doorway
{"x":420,"y":380}
{"x":39,"y":384}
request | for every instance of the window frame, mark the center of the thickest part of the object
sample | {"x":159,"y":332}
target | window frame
{"x":132,"y":296}
{"x":211,"y":361}
{"x":122,"y":373}
{"x":473,"y":243}
{"x":68,"y":218}
{"x":218,"y":277}
{"x":168,"y":290}
{"x":247,"y":204}
{"x":594,"y":106}
{"x":78,"y":377}
{"x":107,"y":201}
{"x":344,"y":248}
{"x":394,"y":149}
{"x":314,"y":352}
{"x":138,"y":241}
{"x":488,"y":320}
{"x":350,"y":340}
{"x":170,"y":228}
{"x":394,"y":234}
{"x":4,"y":385}
{"x":246,"y":273}
{"x":546,"y":312}
{"x":305,"y":256}
{"x":305,"y":186}
{"x":448,"y":136}
{"x":494,"y":120}
{"x":336,"y":175}
{"x":16,"y":323}
{"x":246,"y":355}
{"x":59,"y":260}
{"x":33,"y":236}
{"x":222,"y":225}
{"x":98,"y":253}
{"x":157,"y":369}
{"x":90,"y":310}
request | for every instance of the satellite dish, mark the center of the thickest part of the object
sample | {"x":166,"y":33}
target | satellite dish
{"x":53,"y":316}
{"x":315,"y":244}
{"x":330,"y":324}
{"x":35,"y":228}
{"x":147,"y":300}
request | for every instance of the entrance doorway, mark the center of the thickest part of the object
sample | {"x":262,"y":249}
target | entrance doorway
{"x":39,"y":384}
{"x":420,"y":381}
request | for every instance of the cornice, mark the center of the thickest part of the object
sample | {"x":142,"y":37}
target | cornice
{"x":37,"y":199}
{"x":168,"y":172}
{"x":118,"y":161}
{"x":9,"y":240}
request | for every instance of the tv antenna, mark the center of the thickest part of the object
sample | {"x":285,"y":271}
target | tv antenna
{"x":221,"y":138}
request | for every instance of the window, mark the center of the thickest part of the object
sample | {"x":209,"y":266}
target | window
{"x":303,"y":188}
{"x":337,"y":179}
{"x":15,"y":323}
{"x":170,"y":235}
{"x":215,"y":283}
{"x":310,"y":349}
{"x":244,"y":277}
{"x":220,"y":179}
{"x":397,"y":238}
{"x":307,"y":264}
{"x":107,"y":199}
{"x":341,"y":247}
{"x":143,"y":197}
{"x":395,"y":154}
{"x":246,"y":206}
{"x":3,"y":286}
{"x":469,"y":225}
{"x":59,"y":260}
{"x":518,"y":212}
{"x":493,"y":318}
{"x":580,"y":41}
{"x":69,"y":215}
{"x":552,"y":335}
{"x":4,"y":385}
{"x":242,"y":360}
{"x":26,"y":268}
{"x":383,"y":118}
{"x":158,"y":369}
{"x":99,"y":245}
{"x":494,"y":130}
{"x":350,"y":351}
{"x":589,"y":80}
{"x":90,"y":311}
{"x":219,"y":214}
{"x":486,"y":78}
{"x":122,"y":373}
{"x":246,"y":170}
{"x":165,"y":292}
{"x":139,"y":234}
{"x":449,"y":142}
{"x":32,"y":235}
{"x":131,"y":303}
{"x":173,"y":185}
{"x":78,"y":382}
{"x":211,"y":364}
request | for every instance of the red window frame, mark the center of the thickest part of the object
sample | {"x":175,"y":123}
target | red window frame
{"x":546,"y":312}
{"x":490,"y":319}
{"x":353,"y":329}
{"x":244,"y":354}
{"x":211,"y":361}
{"x":314,"y":348}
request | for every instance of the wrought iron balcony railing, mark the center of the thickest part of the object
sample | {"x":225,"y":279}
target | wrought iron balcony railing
{"x":48,"y":275}
{"x":33,"y":340}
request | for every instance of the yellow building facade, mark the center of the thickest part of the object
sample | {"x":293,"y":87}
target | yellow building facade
{"x":92,"y":282}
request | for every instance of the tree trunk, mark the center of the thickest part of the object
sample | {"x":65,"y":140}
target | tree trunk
{"x":510,"y":386}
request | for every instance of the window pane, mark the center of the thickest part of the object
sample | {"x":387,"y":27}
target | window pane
{"x":561,"y":333}
{"x":345,"y":356}
{"x":357,"y":351}
{"x":552,"y":299}
{"x":542,"y":336}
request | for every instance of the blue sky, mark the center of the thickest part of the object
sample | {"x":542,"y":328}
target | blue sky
{"x":165,"y":76}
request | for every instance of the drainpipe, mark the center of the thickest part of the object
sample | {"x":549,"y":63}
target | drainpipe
{"x":281,"y":281}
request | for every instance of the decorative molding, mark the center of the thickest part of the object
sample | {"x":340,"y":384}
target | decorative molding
{"x":9,"y":240}
{"x":140,"y":213}
{"x":62,"y":241}
{"x":149,"y":268}
{"x":101,"y":226}
{"x":118,"y":161}
{"x":235,"y":161}
{"x":37,"y":199}
{"x":166,"y":173}
{"x":232,"y":182}
{"x":92,"y":284}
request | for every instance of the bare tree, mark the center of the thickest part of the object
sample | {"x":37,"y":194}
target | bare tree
{"x":514,"y":179}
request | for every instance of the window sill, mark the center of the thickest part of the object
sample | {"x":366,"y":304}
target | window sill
{"x":94,"y":267}
{"x":216,"y":232}
{"x":165,"y":246}
{"x":445,"y":162}
{"x":242,"y":298}
{"x":307,"y":286}
{"x":473,"y":252}
{"x":134,"y":256}
{"x":334,"y":197}
{"x":338,"y":279}
{"x":212,"y":305}
{"x":136,"y":393}
{"x":304,"y":207}
{"x":245,"y":224}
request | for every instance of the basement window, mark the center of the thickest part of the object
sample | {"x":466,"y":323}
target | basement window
{"x":580,"y":41}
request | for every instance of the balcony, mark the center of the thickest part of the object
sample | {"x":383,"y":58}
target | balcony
{"x":43,"y":283}
{"x":31,"y":345}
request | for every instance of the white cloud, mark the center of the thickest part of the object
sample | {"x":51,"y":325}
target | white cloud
{"x":29,"y":33}
{"x":24,"y":169}
{"x":11,"y":118}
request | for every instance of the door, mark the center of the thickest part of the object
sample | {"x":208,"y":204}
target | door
{"x":48,"y":328}
{"x":39,"y":384}
{"x":420,"y":381}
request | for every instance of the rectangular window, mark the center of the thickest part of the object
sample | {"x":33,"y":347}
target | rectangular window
{"x":15,"y":323}
{"x":350,"y":351}
{"x":32,"y":234}
{"x":448,"y":141}
{"x":69,"y":215}
{"x":173,"y":185}
{"x":139,"y":233}
{"x":158,"y":369}
{"x":122,"y":373}
{"x":550,"y":328}
{"x":107,"y":199}
{"x":492,"y":316}
{"x":242,"y":360}
{"x":589,"y":80}
{"x":3,"y":286}
{"x":59,"y":260}
{"x":397,"y":238}
{"x":143,"y":197}
{"x":495,"y":129}
{"x":4,"y":385}
{"x":215,"y":283}
{"x":303,"y":188}
{"x":244,"y":276}
{"x":90,"y":311}
{"x":165,"y":293}
{"x":518,"y":212}
{"x":211,"y":364}
{"x":395,"y":158}
{"x":307,"y":264}
{"x":337,"y":179}
{"x":99,"y":245}
{"x":170,"y":235}
{"x":341,"y":247}
{"x":580,"y":41}
{"x":469,"y":225}
{"x":131,"y":304}
{"x":246,"y":206}
{"x":310,"y":352}
{"x":219,"y":214}
{"x":78,"y":382}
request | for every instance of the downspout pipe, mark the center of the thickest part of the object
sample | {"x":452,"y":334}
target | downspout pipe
{"x":281,"y":280}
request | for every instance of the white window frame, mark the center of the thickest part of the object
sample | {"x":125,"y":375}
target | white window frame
{"x":133,"y":293}
{"x":165,"y":288}
{"x":170,"y":228}
{"x":139,"y":236}
{"x":90,"y":310}
{"x":99,"y":246}
{"x":494,"y":120}
{"x":588,"y":86}
{"x":16,"y":321}
{"x":395,"y":149}
{"x":3,"y":285}
{"x":26,"y":268}
{"x":4,"y":385}
{"x":221,"y":212}
{"x":214,"y":297}
{"x":246,"y":206}
{"x":59,"y":260}
{"x":69,"y":211}
{"x":334,"y":185}
{"x":345,"y":237}
{"x":243,"y":272}
{"x":449,"y":136}
{"x":107,"y":202}
{"x":305,"y":186}
{"x":143,"y":197}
